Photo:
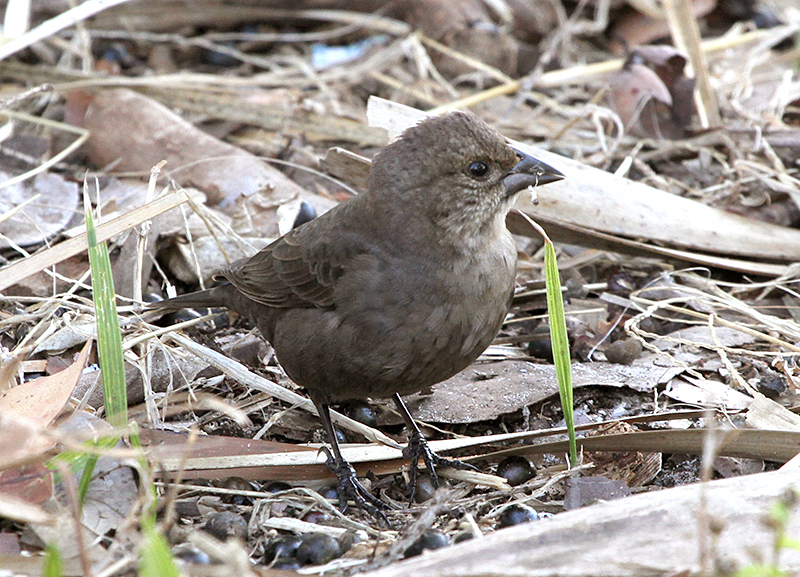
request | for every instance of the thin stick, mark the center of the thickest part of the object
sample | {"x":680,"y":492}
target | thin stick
{"x":23,"y":268}
{"x":585,"y":72}
{"x":56,"y":24}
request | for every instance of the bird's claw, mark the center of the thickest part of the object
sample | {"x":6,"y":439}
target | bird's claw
{"x":349,"y":487}
{"x":417,"y":449}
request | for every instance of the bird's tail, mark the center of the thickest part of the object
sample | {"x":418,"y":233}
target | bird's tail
{"x":209,"y":298}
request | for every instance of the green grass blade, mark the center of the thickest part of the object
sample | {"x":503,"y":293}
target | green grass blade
{"x":558,"y":335}
{"x":53,"y":565}
{"x":109,"y":337}
{"x":109,"y":340}
{"x":156,"y":557}
{"x":560,"y":343}
{"x":86,"y":479}
{"x":83,"y":461}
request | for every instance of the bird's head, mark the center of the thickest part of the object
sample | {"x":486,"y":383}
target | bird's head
{"x":457,"y":172}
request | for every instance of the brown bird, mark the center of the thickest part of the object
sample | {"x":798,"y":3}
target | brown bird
{"x":396,"y":289}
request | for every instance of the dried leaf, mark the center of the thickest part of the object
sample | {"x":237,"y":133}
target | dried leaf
{"x":42,"y":399}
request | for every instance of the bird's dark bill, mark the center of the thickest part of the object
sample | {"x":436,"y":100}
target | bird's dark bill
{"x":529,"y":171}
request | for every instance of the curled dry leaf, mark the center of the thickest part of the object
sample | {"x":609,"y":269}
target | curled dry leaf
{"x":72,"y":334}
{"x":635,"y":468}
{"x":641,"y":100}
{"x":670,"y":65}
{"x":25,"y":411}
{"x":165,"y":373}
{"x":207,"y":255}
{"x":134,"y":133}
{"x":42,"y":399}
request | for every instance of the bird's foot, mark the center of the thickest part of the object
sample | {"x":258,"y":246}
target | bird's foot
{"x":417,"y":449}
{"x":349,"y":487}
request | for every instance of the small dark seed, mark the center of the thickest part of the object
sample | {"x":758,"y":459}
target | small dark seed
{"x":287,"y":565}
{"x":191,"y":554}
{"x":428,"y":540}
{"x":425,"y":489}
{"x":341,"y":438}
{"x":462,"y":536}
{"x":187,"y":509}
{"x":238,"y":484}
{"x":540,"y":345}
{"x":316,"y":517}
{"x":277,"y":487}
{"x":318,"y":549}
{"x":226,"y":524}
{"x":330,"y":492}
{"x":623,"y":352}
{"x":307,"y":212}
{"x":515,"y":515}
{"x":516,"y":470}
{"x":281,"y":547}
{"x":362,"y":412}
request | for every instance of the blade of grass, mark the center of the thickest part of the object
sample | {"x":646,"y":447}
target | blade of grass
{"x":109,"y":348}
{"x":109,"y":337}
{"x":156,"y":557}
{"x":109,"y":341}
{"x":558,"y":337}
{"x":560,"y":344}
{"x":89,"y":462}
{"x":53,"y":565}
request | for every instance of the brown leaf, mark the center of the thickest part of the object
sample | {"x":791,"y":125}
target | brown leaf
{"x":42,"y":399}
{"x":643,"y":103}
{"x":25,"y":410}
{"x":134,"y":133}
{"x":669,"y":65}
{"x":32,"y":483}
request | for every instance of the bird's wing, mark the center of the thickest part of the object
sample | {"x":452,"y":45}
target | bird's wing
{"x":287,"y":273}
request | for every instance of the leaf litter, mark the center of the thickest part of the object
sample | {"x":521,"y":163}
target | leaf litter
{"x":690,"y":257}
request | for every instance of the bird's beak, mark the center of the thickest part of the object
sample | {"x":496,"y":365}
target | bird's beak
{"x":529,"y":172}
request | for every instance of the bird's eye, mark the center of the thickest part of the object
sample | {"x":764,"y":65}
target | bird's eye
{"x":478,"y":169}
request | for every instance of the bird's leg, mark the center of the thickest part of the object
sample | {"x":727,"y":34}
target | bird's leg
{"x":348,"y":486}
{"x":418,"y":447}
